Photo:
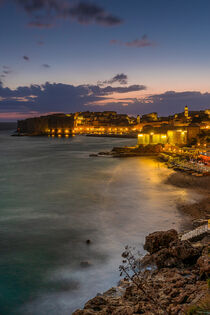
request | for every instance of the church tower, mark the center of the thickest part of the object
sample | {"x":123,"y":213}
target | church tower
{"x":138,"y":119}
{"x":186,"y":112}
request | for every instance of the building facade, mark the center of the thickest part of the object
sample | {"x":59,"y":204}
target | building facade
{"x":173,"y":137}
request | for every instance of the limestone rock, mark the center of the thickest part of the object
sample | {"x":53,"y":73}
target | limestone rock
{"x":203,"y":263}
{"x":158,"y":240}
{"x":97,"y":303}
{"x":184,"y":251}
{"x":124,"y":310}
{"x":179,"y":253}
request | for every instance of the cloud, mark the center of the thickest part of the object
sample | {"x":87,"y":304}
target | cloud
{"x":172,"y":101}
{"x":164,"y":104}
{"x":86,"y":13}
{"x":26,"y":58}
{"x":40,"y":25}
{"x":45,"y":12}
{"x":139,"y":43}
{"x":58,"y":97}
{"x":118,"y":78}
{"x":36,"y":5}
{"x":5,"y":72}
{"x":110,"y":90}
{"x":121,"y":78}
{"x":45,"y":65}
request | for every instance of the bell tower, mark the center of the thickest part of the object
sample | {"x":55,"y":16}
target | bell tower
{"x":186,"y":112}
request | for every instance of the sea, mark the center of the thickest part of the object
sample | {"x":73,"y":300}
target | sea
{"x":53,"y":198}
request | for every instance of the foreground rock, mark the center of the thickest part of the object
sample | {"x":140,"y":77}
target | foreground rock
{"x":158,"y":240}
{"x":171,"y":251}
{"x":178,"y":281}
{"x":140,"y":150}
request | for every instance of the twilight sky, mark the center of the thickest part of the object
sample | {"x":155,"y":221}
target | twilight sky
{"x":132,"y":56}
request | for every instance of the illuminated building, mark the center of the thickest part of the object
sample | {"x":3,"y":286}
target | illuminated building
{"x":150,"y":117}
{"x":155,"y":129}
{"x":99,"y":119}
{"x":50,"y":124}
{"x":172,"y":136}
{"x":186,"y":112}
{"x":146,"y":138}
{"x":193,"y":132}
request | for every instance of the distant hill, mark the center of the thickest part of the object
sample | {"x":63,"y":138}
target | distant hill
{"x":8,"y":125}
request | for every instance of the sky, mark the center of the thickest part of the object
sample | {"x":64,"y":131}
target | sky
{"x":134,"y":56}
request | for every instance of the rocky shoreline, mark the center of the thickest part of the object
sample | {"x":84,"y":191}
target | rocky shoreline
{"x":176,"y":273}
{"x":177,"y":283}
{"x":201,"y":209}
{"x":177,"y":161}
{"x":149,"y":150}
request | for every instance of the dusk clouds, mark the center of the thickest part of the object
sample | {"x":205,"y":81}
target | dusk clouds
{"x":45,"y":65}
{"x":97,"y":90}
{"x":44,"y":13}
{"x":87,"y":13}
{"x":57,"y":97}
{"x":139,"y":43}
{"x":136,"y":49}
{"x":26,"y":58}
{"x":5,"y":72}
{"x":118,"y":78}
{"x":40,"y":24}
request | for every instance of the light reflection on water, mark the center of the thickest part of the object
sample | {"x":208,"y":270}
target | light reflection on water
{"x":53,"y":197}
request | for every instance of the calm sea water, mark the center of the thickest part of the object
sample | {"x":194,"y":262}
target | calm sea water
{"x":53,"y":197}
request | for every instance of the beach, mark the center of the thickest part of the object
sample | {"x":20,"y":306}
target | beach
{"x":200,"y":185}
